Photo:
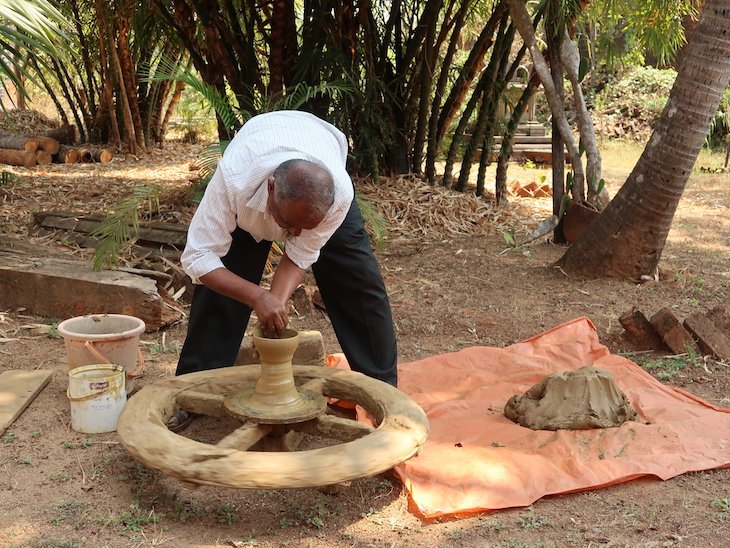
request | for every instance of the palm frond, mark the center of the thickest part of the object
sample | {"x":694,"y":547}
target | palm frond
{"x":302,"y":93}
{"x":168,"y":69}
{"x":29,"y":29}
{"x":122,"y":225}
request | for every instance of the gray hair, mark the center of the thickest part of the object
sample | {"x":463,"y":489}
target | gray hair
{"x":300,"y":179}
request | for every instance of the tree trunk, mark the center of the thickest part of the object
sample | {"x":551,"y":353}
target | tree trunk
{"x":522,"y":21}
{"x":107,"y":103}
{"x":174,"y":100}
{"x":128,"y":80}
{"x":471,"y":68}
{"x":628,"y":238}
{"x":432,"y":149}
{"x":556,"y":141}
{"x":424,"y":89}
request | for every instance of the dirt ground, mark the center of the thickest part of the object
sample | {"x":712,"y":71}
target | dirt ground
{"x":449,"y":291}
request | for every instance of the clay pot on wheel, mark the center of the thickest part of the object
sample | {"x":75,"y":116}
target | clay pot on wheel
{"x":576,"y":219}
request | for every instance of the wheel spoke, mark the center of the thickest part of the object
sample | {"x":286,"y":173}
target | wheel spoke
{"x":201,"y":403}
{"x":245,"y":437}
{"x":338,"y":428}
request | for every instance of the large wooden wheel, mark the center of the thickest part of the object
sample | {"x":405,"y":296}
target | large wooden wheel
{"x":259,"y":455}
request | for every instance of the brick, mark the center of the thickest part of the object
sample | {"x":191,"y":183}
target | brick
{"x":711,"y":340}
{"x":673,"y":333}
{"x":309,"y":352}
{"x":721,"y":318}
{"x":640,"y":331}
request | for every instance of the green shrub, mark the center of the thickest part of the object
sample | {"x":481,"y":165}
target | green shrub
{"x":627,"y":107}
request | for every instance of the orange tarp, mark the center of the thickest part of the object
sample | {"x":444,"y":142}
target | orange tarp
{"x":477,"y":460}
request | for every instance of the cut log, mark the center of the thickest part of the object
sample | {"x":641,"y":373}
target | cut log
{"x":85,"y":155}
{"x":65,"y":134}
{"x":49,"y":144}
{"x":66,"y":155}
{"x":64,"y":288}
{"x":721,"y":318}
{"x":43,"y":157}
{"x":89,"y":154}
{"x":102,"y":155}
{"x":18,"y":142}
{"x":13,"y":157}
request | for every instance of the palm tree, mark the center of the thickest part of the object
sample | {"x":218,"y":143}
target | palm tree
{"x":627,"y":240}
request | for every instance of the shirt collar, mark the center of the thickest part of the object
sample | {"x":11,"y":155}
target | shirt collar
{"x":260,"y":198}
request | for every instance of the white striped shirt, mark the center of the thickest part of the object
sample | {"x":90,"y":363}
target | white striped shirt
{"x":237,"y":193}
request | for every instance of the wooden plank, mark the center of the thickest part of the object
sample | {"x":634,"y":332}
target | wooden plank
{"x":17,"y":390}
{"x":159,"y":233}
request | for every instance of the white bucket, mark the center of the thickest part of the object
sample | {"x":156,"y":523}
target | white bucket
{"x":104,"y":338}
{"x":97,"y":396}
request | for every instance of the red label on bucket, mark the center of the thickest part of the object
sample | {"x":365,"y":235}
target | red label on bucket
{"x":98,"y":385}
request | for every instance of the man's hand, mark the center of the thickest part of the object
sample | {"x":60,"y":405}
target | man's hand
{"x":271,"y":312}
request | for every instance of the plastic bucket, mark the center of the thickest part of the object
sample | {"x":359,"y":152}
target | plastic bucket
{"x":104,"y":338}
{"x":96,"y":394}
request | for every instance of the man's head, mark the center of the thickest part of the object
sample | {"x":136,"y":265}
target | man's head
{"x":300,"y":194}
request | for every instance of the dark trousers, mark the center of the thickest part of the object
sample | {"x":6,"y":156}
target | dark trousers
{"x":352,"y":289}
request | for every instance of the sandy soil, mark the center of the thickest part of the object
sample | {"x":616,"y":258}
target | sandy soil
{"x":59,"y":488}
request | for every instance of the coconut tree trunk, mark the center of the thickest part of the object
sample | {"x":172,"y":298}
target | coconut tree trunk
{"x":628,"y":238}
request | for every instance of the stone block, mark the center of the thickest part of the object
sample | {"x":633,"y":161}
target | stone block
{"x":309,"y":352}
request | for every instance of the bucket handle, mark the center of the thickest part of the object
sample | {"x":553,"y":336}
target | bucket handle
{"x":99,"y":356}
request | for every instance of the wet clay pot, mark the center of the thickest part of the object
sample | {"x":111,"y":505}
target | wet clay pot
{"x":275,"y":399}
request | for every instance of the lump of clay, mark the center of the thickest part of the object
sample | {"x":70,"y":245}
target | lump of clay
{"x":575,"y":400}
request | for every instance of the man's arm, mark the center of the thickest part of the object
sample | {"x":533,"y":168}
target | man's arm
{"x":287,"y":278}
{"x":270,"y":308}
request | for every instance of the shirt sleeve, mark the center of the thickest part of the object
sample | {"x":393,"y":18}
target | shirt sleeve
{"x":209,"y":235}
